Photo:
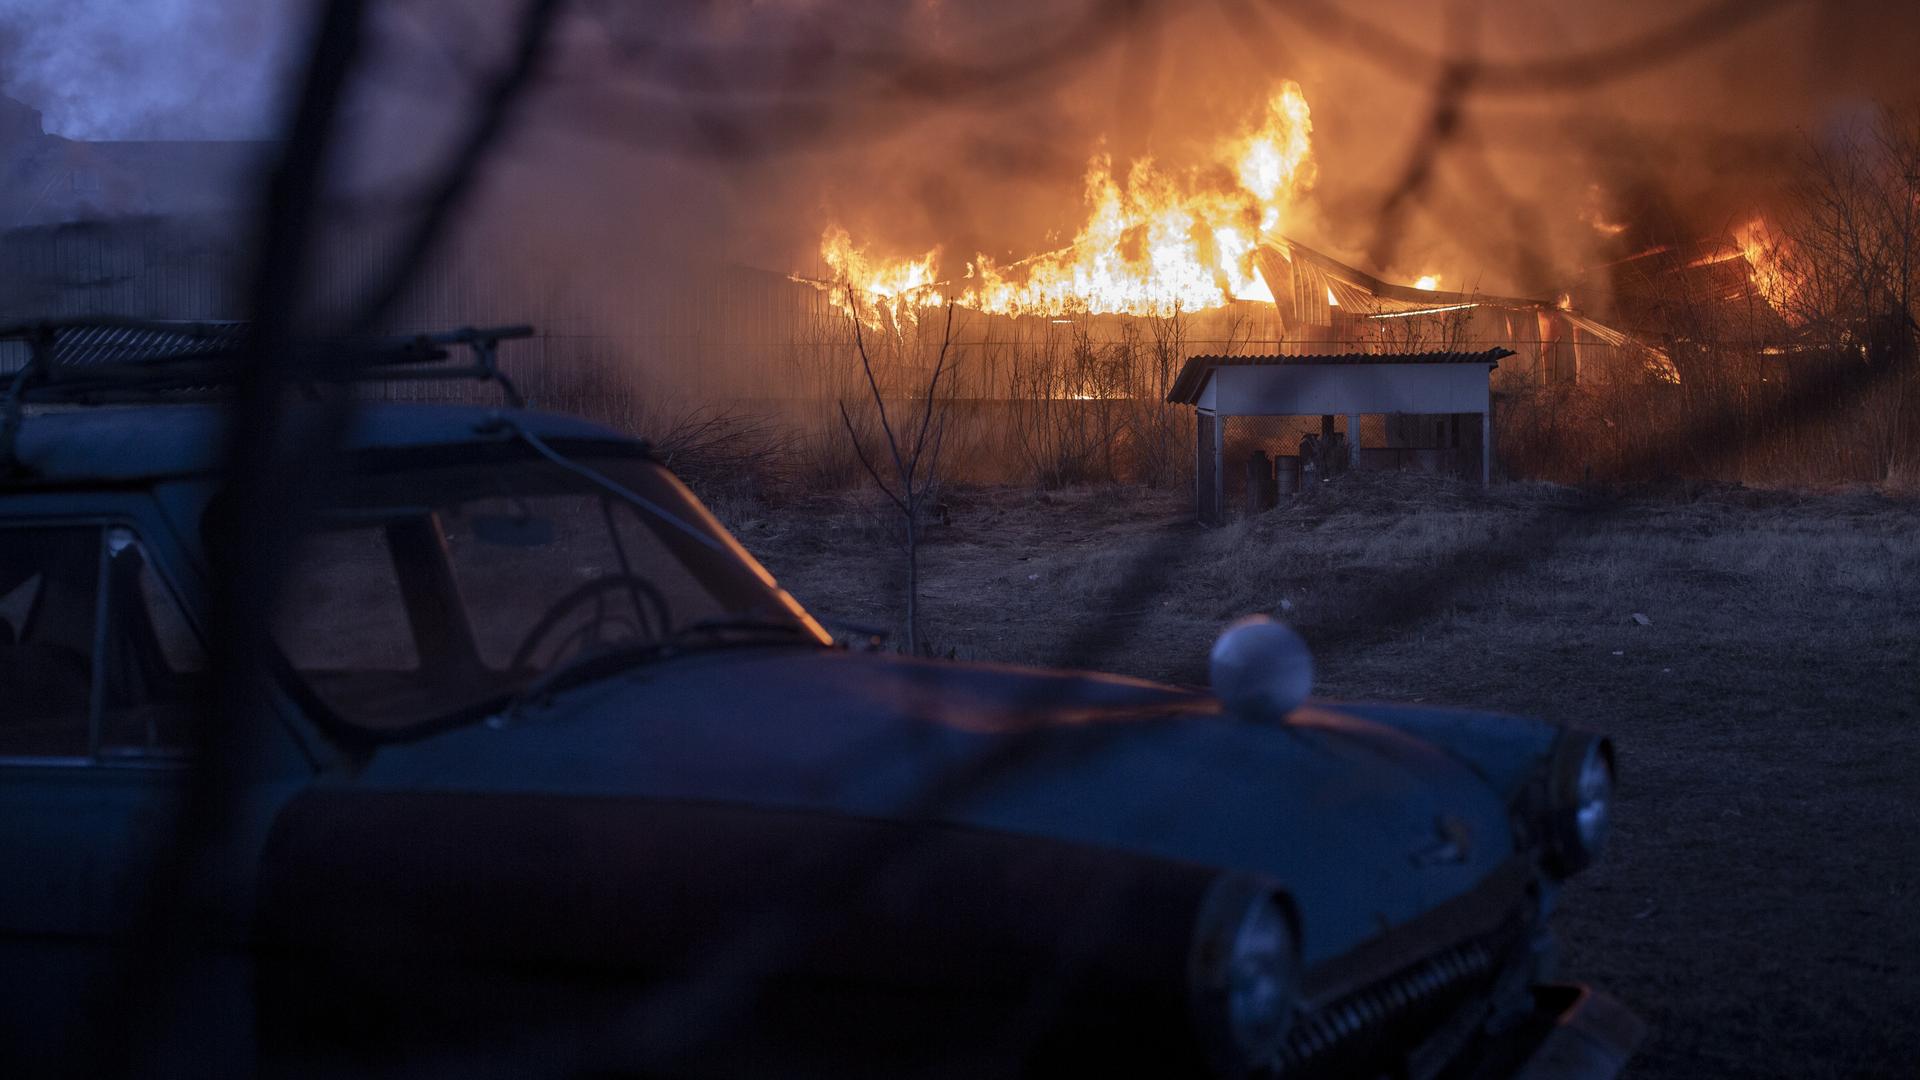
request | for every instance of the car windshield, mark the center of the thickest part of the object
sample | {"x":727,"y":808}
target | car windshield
{"x":443,"y":592}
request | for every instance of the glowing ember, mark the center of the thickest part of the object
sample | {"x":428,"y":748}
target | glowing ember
{"x":1768,"y":265}
{"x":1154,"y":242}
{"x":1429,"y":282}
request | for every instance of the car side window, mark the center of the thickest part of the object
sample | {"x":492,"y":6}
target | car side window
{"x":97,"y":659}
{"x":49,"y":601}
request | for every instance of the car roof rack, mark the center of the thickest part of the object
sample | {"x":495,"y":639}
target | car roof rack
{"x":108,"y":360}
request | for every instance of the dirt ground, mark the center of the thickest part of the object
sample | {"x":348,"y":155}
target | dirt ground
{"x":1760,"y":902}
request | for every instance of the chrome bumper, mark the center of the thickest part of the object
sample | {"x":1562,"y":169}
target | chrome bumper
{"x":1590,"y":1035}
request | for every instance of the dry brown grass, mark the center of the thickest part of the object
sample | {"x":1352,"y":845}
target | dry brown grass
{"x":1761,"y":904}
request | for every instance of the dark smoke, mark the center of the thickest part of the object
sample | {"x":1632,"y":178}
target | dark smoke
{"x":736,"y":131}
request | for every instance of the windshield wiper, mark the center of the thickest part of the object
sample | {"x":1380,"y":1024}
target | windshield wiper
{"x":701,"y":635}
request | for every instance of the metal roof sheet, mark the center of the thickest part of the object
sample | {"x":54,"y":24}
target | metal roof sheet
{"x":1193,"y":375}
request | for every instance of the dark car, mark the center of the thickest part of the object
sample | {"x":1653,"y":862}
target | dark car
{"x":558,"y":781}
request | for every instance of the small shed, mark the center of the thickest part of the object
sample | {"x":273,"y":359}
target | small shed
{"x":1397,"y":385}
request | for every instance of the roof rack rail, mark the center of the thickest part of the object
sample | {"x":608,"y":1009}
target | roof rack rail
{"x":105,"y":359}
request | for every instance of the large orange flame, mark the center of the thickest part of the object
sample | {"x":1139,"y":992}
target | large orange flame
{"x":881,"y":281}
{"x":1153,"y":243}
{"x":1769,"y":265}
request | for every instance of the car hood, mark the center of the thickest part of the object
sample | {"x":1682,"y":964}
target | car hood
{"x":1363,"y":824}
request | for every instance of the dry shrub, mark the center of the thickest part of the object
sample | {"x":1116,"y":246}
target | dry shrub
{"x":1088,"y":404}
{"x":1735,"y":416}
{"x":727,"y":454}
{"x":722,"y":453}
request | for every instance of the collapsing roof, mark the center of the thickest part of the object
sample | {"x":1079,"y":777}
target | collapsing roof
{"x":1312,"y":290}
{"x":1307,"y":284}
{"x":1708,"y":287}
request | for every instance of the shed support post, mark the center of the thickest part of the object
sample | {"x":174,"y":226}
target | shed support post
{"x":1353,"y":442}
{"x":1200,"y":466}
{"x":1486,"y":446}
{"x":1209,"y":481}
{"x":1219,"y":452}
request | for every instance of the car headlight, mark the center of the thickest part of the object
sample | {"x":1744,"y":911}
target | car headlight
{"x":1244,"y":973}
{"x":1580,"y":801}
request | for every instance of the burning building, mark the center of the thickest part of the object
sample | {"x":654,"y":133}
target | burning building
{"x":1164,"y":263}
{"x":1210,"y":245}
{"x":1322,"y":301}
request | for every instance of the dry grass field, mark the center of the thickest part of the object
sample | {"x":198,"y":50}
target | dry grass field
{"x":1760,"y":905}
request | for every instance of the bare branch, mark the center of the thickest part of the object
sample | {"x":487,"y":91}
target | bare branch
{"x":861,"y":451}
{"x":873,"y":383}
{"x":933,"y":386}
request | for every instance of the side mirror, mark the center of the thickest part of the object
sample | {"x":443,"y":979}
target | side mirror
{"x":1261,"y":669}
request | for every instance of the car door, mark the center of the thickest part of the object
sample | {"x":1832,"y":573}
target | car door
{"x":102,"y":677}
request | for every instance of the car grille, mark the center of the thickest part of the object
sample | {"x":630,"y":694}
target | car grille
{"x":1394,"y":1011}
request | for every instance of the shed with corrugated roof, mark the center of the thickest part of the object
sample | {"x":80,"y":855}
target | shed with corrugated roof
{"x":1352,"y":385}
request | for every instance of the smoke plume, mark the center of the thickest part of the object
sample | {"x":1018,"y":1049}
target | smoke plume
{"x":149,"y":69}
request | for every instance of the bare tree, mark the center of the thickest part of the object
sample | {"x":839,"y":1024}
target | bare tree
{"x":1855,"y":234}
{"x":1846,"y":264}
{"x":913,"y":450}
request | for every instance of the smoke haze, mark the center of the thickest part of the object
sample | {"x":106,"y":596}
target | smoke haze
{"x":740,"y":130}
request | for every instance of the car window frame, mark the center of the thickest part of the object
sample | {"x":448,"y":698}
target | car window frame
{"x":144,"y":529}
